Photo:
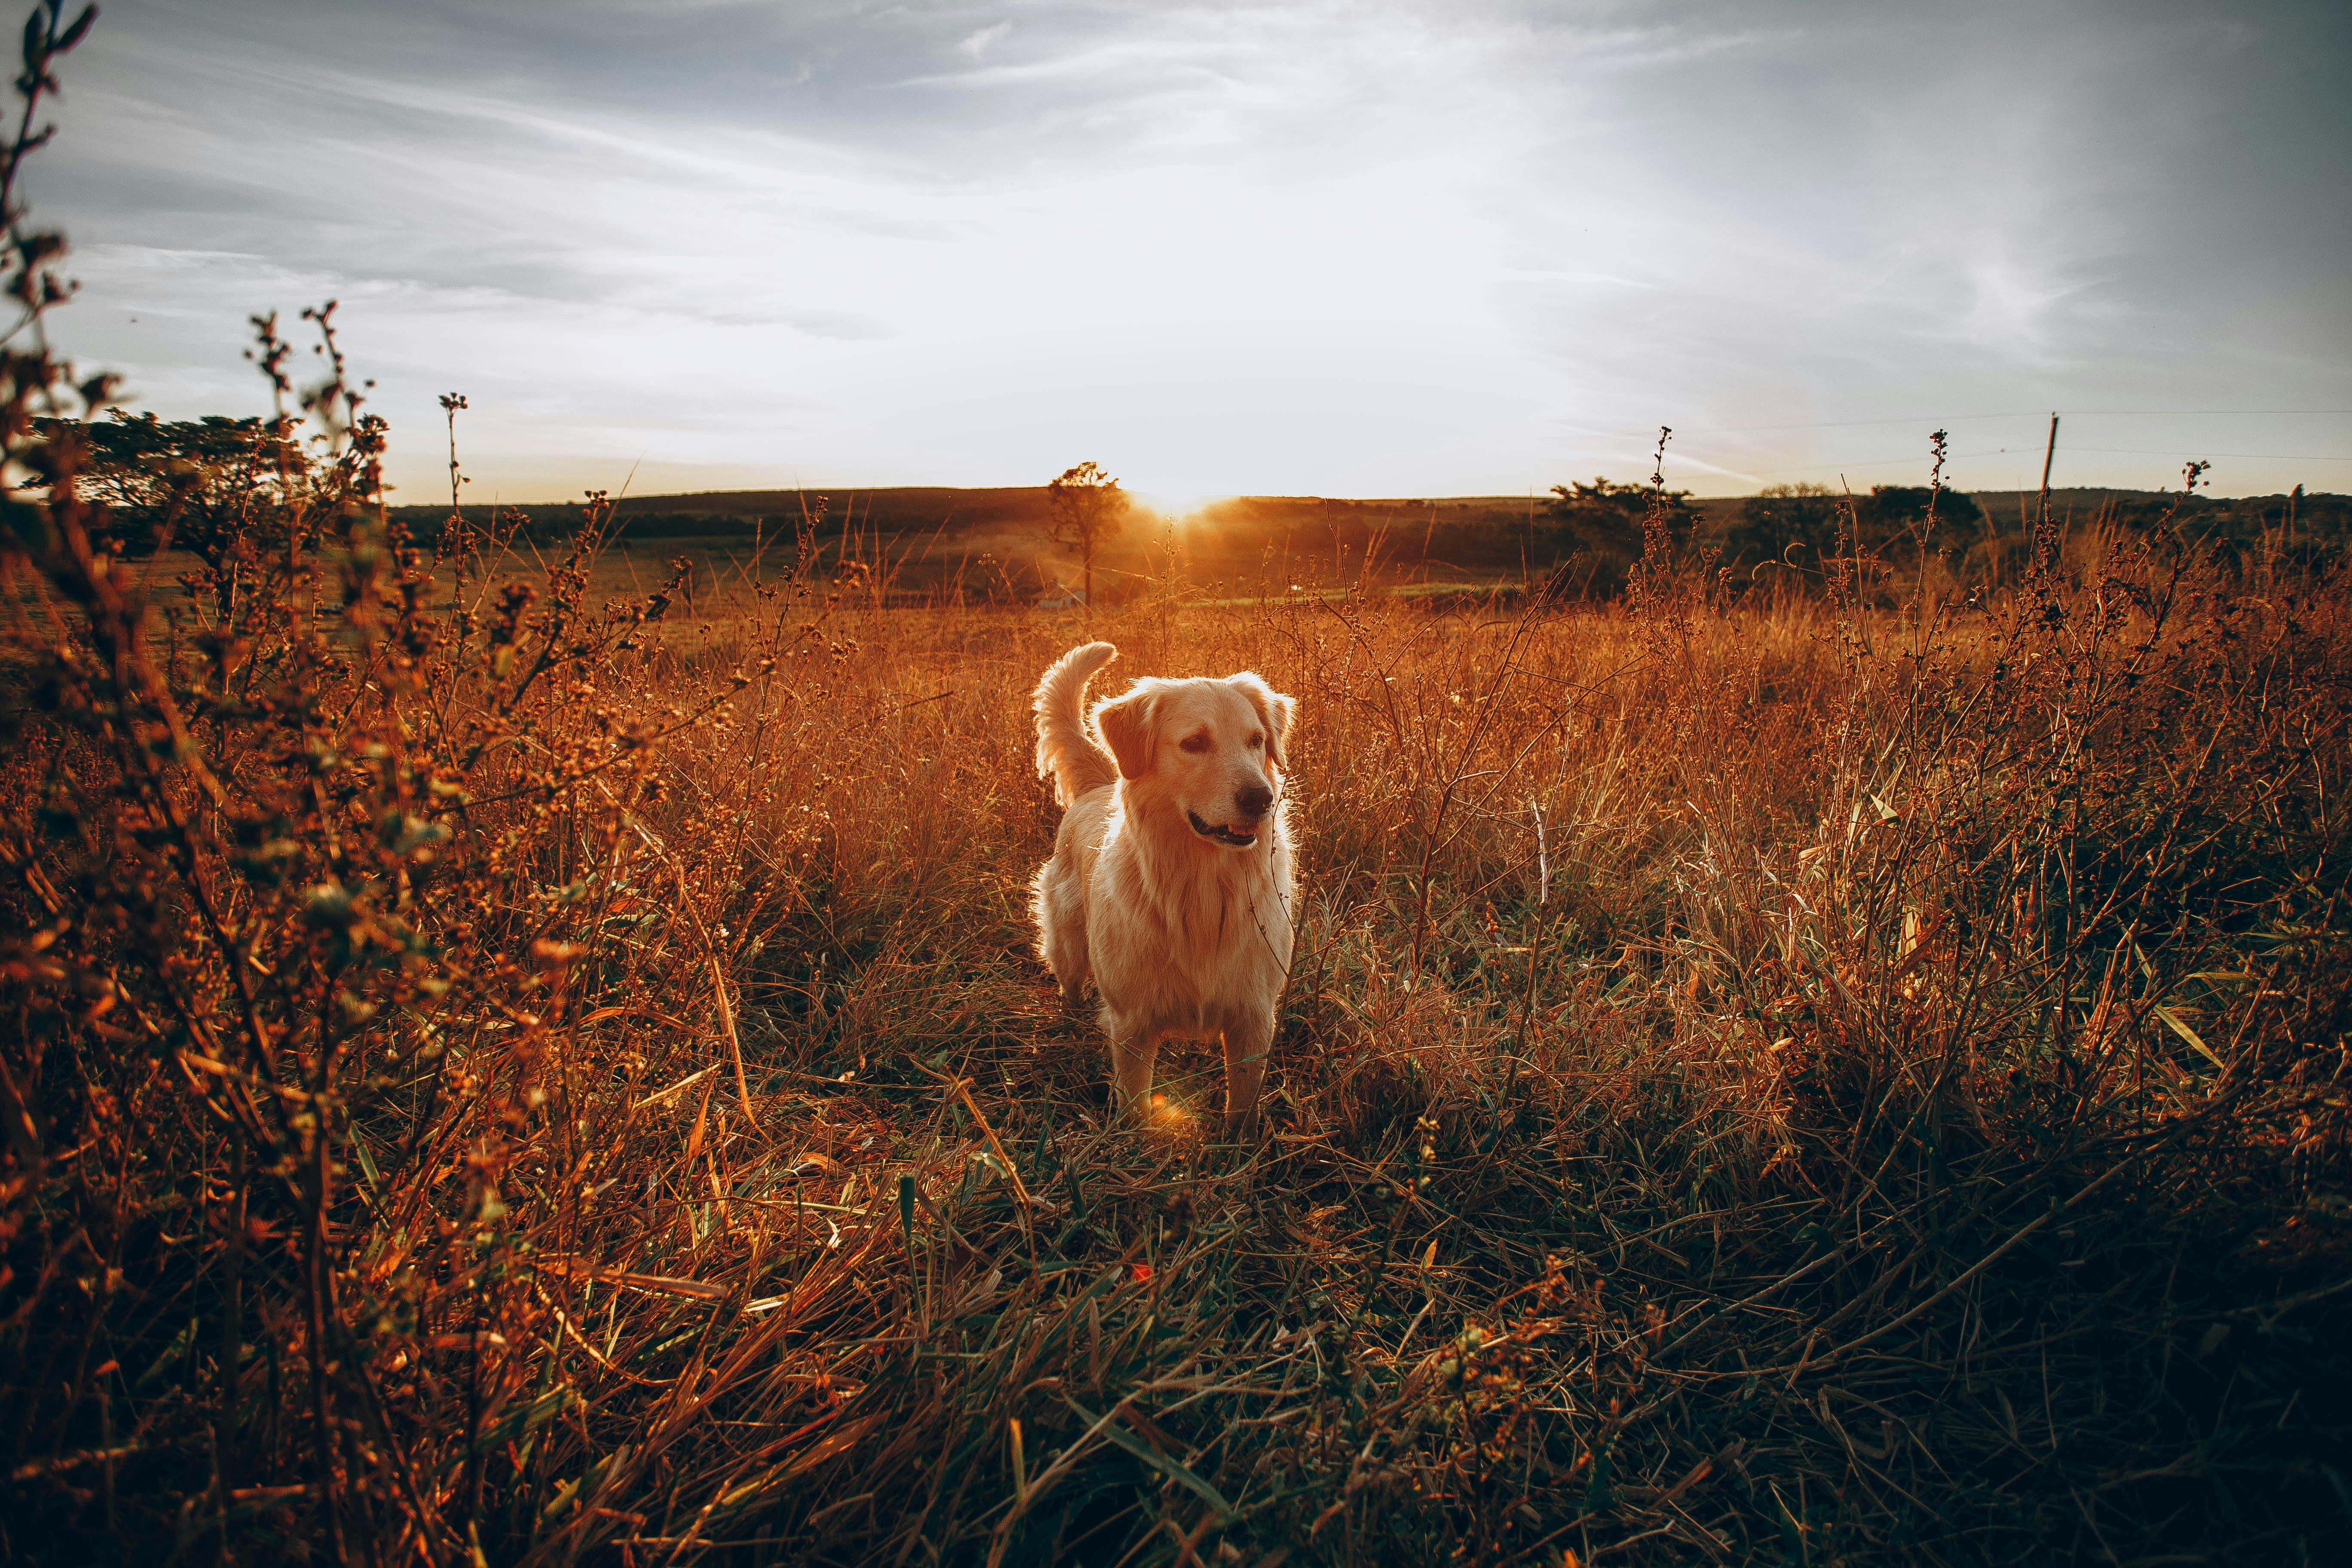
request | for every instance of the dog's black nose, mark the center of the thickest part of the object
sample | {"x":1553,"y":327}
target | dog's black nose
{"x":1252,"y":800}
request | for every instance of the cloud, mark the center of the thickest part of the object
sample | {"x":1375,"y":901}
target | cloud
{"x":977,"y":45}
{"x":1292,"y":245}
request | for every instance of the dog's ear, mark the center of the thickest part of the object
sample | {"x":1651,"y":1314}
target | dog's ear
{"x":1131,"y":725}
{"x":1274,"y":711}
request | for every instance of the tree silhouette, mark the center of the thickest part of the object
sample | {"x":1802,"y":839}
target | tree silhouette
{"x":192,"y":485}
{"x":1089,"y":507}
{"x":1594,"y":534}
{"x":1895,"y":521}
{"x":1795,"y":525}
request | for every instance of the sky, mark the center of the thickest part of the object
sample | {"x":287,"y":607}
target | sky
{"x":1271,"y":248}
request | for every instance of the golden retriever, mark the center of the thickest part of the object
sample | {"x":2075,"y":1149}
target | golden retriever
{"x":1171,"y":879}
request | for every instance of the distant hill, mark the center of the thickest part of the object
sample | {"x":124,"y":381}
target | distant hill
{"x":703,"y":513}
{"x":992,"y":540}
{"x":929,"y":534}
{"x":152,"y":477}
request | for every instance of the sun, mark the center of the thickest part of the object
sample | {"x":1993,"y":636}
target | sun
{"x":1176,"y":500}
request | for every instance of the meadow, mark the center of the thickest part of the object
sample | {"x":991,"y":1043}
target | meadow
{"x":508,"y":1069}
{"x":513,"y":1056}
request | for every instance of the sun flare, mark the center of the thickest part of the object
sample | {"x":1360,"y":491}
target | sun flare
{"x":1177,"y":501}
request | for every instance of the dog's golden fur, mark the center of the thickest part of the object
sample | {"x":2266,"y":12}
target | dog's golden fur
{"x":1170,"y":884}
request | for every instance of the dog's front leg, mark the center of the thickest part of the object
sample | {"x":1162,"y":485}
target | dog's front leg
{"x":1132,"y":1052}
{"x":1249,"y":1037}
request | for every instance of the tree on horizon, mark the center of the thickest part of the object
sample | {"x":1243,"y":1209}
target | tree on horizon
{"x":1794,"y":525}
{"x":1088,"y":509}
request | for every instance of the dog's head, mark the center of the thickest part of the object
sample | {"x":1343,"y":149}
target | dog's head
{"x":1212,"y":750}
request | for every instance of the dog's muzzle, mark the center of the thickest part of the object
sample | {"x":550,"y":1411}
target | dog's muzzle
{"x":1221,"y":835}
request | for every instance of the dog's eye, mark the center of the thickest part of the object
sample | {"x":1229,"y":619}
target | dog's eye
{"x":1196,"y":744}
{"x":1256,"y":742}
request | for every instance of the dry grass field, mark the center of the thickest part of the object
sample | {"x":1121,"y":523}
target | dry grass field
{"x":503,"y":1074}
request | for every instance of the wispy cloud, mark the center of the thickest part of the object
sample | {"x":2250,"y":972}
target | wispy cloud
{"x":976,"y":45}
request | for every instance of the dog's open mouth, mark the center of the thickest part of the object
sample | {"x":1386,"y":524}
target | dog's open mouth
{"x":1221,"y":834}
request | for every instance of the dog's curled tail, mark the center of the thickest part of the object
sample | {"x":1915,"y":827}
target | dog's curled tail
{"x":1066,"y":751}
